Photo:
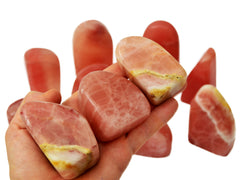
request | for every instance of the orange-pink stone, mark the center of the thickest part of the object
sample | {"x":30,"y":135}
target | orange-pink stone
{"x":63,"y":135}
{"x":112,"y":104}
{"x":211,"y":123}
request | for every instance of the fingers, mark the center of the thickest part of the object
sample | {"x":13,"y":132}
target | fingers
{"x":157,"y":119}
{"x":115,"y":156}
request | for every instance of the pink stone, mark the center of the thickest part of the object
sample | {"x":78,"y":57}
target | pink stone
{"x":112,"y":104}
{"x":203,"y":73}
{"x":211,"y":121}
{"x":63,"y":135}
{"x":159,"y":145}
{"x":158,"y":74}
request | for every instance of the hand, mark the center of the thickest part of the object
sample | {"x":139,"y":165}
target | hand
{"x":26,"y":161}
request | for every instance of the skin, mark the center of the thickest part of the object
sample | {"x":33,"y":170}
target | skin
{"x":26,"y":161}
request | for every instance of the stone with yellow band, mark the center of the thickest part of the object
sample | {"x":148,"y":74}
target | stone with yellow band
{"x":67,"y":156}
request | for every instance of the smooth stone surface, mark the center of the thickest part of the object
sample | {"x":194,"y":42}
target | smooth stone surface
{"x":63,"y":135}
{"x":151,"y":68}
{"x":112,"y":104}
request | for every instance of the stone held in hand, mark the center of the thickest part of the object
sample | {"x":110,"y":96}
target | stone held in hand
{"x":112,"y":104}
{"x":156,"y":72}
{"x":84,"y":71}
{"x":63,"y":135}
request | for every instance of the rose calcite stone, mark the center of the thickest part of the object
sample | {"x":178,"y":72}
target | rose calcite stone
{"x":112,"y":104}
{"x":154,"y":70}
{"x":203,"y":73}
{"x":92,"y":44}
{"x":43,"y":69}
{"x":63,"y":135}
{"x":211,"y":121}
{"x":158,"y":145}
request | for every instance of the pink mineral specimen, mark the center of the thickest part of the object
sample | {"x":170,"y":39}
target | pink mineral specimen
{"x":203,"y":73}
{"x":92,"y":44}
{"x":43,"y":69}
{"x":63,"y":135}
{"x":211,"y":121}
{"x":151,"y":68}
{"x":112,"y":104}
{"x":159,"y":145}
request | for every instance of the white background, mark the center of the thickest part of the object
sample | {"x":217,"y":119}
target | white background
{"x":200,"y":25}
